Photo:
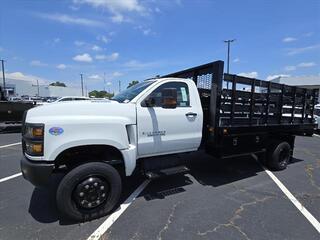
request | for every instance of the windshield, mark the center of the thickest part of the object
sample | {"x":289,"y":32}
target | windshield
{"x":130,"y":93}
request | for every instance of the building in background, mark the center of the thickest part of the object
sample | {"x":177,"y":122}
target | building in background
{"x":18,"y":88}
{"x":309,"y":82}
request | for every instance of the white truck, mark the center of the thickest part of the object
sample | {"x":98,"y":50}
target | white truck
{"x":98,"y":143}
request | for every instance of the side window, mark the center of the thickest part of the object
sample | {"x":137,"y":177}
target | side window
{"x":183,"y":99}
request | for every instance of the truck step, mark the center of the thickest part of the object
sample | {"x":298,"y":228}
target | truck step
{"x":166,"y":172}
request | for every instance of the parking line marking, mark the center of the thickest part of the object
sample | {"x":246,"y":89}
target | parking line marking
{"x":114,"y":216}
{"x":315,"y":223}
{"x":10,"y":177}
{"x":316,"y":135}
{"x":9,"y":145}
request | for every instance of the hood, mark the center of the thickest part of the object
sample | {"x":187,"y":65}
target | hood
{"x":82,"y":109}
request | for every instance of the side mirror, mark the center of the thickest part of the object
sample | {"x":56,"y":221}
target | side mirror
{"x":149,"y":102}
{"x":169,"y":97}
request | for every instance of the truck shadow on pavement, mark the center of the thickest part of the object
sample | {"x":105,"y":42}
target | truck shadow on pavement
{"x":207,"y":171}
{"x":204,"y":170}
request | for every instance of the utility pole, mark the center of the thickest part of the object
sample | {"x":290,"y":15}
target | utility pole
{"x":81,"y":76}
{"x":104,"y":81}
{"x":119,"y":85}
{"x":3,"y":78}
{"x":228,"y":59}
{"x":38,"y":88}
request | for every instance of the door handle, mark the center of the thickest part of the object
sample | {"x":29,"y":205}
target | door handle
{"x":191,"y":114}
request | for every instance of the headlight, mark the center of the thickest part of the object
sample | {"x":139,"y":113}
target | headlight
{"x":32,"y":139}
{"x":34,"y":148}
{"x":34,"y":130}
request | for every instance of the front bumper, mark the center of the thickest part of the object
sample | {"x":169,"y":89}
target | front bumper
{"x":36,"y":173}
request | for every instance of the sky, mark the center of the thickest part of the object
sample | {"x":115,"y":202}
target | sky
{"x":125,"y":40}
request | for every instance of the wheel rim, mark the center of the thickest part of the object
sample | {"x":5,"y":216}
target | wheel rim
{"x":91,"y":192}
{"x":283,"y":157}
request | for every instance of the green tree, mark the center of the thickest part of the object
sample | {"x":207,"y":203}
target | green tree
{"x":100,"y":94}
{"x":134,"y":82}
{"x":58,"y":84}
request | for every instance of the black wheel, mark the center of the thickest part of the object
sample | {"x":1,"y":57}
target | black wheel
{"x":279,"y":155}
{"x":89,"y":191}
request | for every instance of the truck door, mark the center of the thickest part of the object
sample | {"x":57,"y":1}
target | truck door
{"x":164,"y":131}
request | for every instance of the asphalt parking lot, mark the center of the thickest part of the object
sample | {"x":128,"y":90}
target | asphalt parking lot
{"x":233,"y":199}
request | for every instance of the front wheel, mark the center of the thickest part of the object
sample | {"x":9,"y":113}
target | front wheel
{"x":89,"y":191}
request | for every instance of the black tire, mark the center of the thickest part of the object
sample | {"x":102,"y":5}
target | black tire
{"x":279,"y":155}
{"x":68,"y":202}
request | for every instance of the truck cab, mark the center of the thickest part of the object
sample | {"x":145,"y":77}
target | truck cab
{"x":152,"y":118}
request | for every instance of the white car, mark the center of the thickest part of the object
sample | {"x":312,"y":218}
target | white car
{"x":317,"y":115}
{"x":71,"y":98}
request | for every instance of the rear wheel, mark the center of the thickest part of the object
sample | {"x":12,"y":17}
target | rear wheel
{"x":89,"y":191}
{"x":279,"y":155}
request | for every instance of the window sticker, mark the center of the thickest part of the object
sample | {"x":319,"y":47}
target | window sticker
{"x":184,"y":94}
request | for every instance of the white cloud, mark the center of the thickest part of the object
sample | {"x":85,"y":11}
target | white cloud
{"x":114,"y":5}
{"x":146,"y":31}
{"x":236,"y":60}
{"x":111,"y":57}
{"x":271,"y":77}
{"x":103,"y":39}
{"x":289,"y":39}
{"x":249,"y":74}
{"x":137,"y":65}
{"x":74,"y":8}
{"x":117,"y":74}
{"x":1,"y":49}
{"x":95,"y":77}
{"x":61,"y":66}
{"x":306,"y":64}
{"x":308,"y":34}
{"x":96,"y":48}
{"x":295,"y":51}
{"x":290,"y":68}
{"x":83,"y":58}
{"x":37,"y":63}
{"x":117,"y":18}
{"x":79,"y":43}
{"x":109,"y":83}
{"x":56,"y":40}
{"x":25,"y":77}
{"x":66,"y":19}
{"x":300,"y":65}
{"x":119,"y":8}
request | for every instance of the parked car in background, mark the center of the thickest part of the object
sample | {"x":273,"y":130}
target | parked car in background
{"x":14,"y":99}
{"x":72,"y":98}
{"x":317,"y":116}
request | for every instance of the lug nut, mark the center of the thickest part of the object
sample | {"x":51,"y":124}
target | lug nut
{"x":89,"y":204}
{"x":81,"y":194}
{"x":103,"y":195}
{"x":86,"y":186}
{"x":102,"y":187}
{"x":95,"y":184}
{"x":98,"y":201}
